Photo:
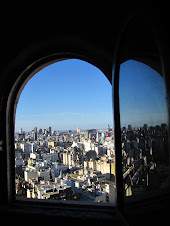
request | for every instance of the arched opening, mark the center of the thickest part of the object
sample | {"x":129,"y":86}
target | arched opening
{"x":139,"y":44}
{"x":65,"y":112}
{"x":144,"y":130}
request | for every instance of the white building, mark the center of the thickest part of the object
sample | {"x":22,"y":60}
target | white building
{"x":33,"y":155}
{"x":26,"y":148}
{"x":34,"y":147}
{"x":89,"y":145}
{"x":68,"y":158}
{"x":44,"y":173}
{"x":111,"y":190}
{"x":20,"y":131}
{"x":29,"y":174}
{"x":50,"y":157}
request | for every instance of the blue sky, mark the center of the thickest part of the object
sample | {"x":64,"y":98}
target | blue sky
{"x":66,"y":95}
{"x":142,"y":95}
{"x":73,"y":93}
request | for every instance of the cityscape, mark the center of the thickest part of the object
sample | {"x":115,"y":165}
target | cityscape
{"x":145,"y":159}
{"x":79,"y":165}
{"x":66,"y":165}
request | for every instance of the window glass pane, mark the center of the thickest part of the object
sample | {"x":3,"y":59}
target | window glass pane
{"x":143,"y":115}
{"x":64,"y":140}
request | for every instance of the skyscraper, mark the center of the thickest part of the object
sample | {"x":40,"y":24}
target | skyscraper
{"x":130,"y":127}
{"x":35,"y":129}
{"x":35,"y":133}
{"x":20,"y":131}
{"x":49,"y":129}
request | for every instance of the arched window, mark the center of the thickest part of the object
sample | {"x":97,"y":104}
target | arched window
{"x":141,"y":114}
{"x":144,"y":129}
{"x":64,"y":137}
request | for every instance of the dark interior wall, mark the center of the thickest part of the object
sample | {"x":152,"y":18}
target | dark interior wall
{"x":94,"y":42}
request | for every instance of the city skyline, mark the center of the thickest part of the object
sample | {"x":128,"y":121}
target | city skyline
{"x":59,"y":97}
{"x":83,"y":130}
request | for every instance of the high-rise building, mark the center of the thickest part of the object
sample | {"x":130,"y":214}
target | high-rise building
{"x":40,"y":131}
{"x":35,"y":129}
{"x":78,"y":130}
{"x":35,"y":133}
{"x":49,"y":129}
{"x":164,"y":127}
{"x":130,"y":127}
{"x":145,"y":127}
{"x":124,"y":130}
{"x":20,"y":131}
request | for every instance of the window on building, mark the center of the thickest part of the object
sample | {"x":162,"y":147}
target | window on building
{"x":140,"y":117}
{"x":144,"y":135}
{"x":64,"y":137}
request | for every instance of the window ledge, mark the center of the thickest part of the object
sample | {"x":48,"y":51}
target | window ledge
{"x":40,"y":211}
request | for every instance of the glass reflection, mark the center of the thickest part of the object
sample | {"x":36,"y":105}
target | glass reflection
{"x":143,"y":115}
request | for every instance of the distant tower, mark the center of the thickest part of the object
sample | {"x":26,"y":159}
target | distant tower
{"x":97,"y":137}
{"x":108,"y":128}
{"x":40,"y":131}
{"x":20,"y":131}
{"x":35,"y":129}
{"x":49,"y":129}
{"x":130,"y":127}
{"x":145,"y":127}
{"x":35,"y":133}
{"x":78,"y":130}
